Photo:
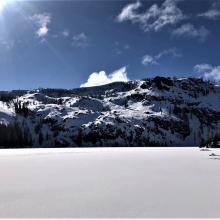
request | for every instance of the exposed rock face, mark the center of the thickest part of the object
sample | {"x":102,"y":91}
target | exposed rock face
{"x":152,"y":112}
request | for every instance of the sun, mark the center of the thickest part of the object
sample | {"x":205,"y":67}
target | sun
{"x":3,"y":3}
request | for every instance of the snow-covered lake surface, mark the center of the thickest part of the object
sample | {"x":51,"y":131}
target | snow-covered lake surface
{"x":110,"y":182}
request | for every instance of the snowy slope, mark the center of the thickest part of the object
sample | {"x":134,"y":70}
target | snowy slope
{"x":152,"y":112}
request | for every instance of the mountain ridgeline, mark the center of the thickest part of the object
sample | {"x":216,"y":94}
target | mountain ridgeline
{"x":151,"y":112}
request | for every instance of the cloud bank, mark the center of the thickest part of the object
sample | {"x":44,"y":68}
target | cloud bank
{"x":101,"y":78}
{"x":154,"y":18}
{"x":158,"y":16}
{"x":209,"y":72}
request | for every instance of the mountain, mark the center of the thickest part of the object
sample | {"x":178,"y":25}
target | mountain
{"x":151,"y":112}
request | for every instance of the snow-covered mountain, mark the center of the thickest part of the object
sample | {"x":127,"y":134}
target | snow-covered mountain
{"x":152,"y":112}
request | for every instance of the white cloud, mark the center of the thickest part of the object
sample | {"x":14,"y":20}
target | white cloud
{"x":148,"y":60}
{"x":80,"y":40}
{"x":128,"y":12}
{"x":65,"y":33}
{"x":42,"y":31}
{"x":190,"y":31}
{"x":42,"y":21}
{"x":7,"y":44}
{"x":174,"y":52}
{"x":153,"y":60}
{"x":213,"y":13}
{"x":154,"y":18}
{"x":127,"y":47}
{"x":101,"y":78}
{"x":120,"y":48}
{"x":208,"y":71}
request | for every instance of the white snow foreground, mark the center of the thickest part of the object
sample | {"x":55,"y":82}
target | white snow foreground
{"x":110,"y":183}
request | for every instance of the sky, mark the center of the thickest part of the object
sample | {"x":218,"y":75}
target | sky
{"x":69,"y":44}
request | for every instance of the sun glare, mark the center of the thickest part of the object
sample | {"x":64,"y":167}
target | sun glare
{"x":3,"y":3}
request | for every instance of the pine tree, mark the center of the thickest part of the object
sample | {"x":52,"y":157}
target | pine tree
{"x":40,"y":138}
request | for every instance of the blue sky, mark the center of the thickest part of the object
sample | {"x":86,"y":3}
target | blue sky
{"x":68,"y":44}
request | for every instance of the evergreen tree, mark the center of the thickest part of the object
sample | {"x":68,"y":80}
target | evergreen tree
{"x":40,"y":138}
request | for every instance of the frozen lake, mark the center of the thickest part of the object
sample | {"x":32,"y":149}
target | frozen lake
{"x":110,"y":182}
